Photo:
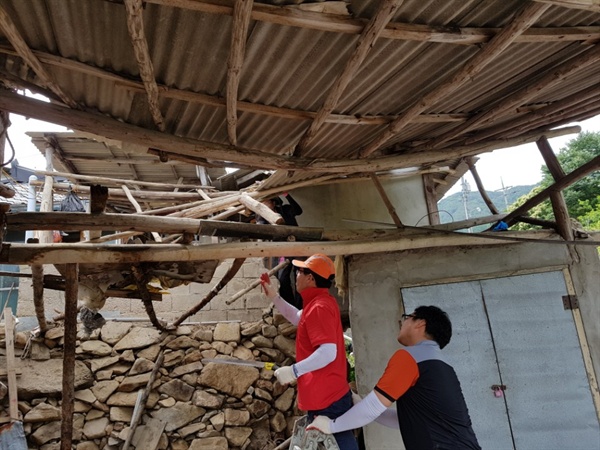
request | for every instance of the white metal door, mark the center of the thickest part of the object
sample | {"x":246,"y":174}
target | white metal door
{"x":515,"y":332}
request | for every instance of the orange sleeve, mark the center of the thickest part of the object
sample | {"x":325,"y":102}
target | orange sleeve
{"x":400,"y":374}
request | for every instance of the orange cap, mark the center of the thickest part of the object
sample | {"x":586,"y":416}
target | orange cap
{"x":319,"y":264}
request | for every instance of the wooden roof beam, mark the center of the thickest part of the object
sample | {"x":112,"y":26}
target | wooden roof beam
{"x":522,"y":20}
{"x":211,"y":100}
{"x":538,"y":117}
{"x":190,"y":147}
{"x":554,"y":76}
{"x":135,"y":25}
{"x":291,"y":16}
{"x":242,"y":11}
{"x":394,"y":240}
{"x":563,"y":183}
{"x":23,"y":50}
{"x":59,"y":154}
{"x":588,"y":5}
{"x":384,"y":13}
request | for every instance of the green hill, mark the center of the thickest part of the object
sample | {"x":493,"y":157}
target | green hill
{"x":452,"y":208}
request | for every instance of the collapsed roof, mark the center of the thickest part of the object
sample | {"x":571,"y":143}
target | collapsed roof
{"x":306,"y":90}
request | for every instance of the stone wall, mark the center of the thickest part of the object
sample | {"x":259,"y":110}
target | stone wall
{"x":192,"y":405}
{"x":174,"y":304}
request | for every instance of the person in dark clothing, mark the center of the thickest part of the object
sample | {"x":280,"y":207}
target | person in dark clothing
{"x":431,"y":411}
{"x":286,"y":276}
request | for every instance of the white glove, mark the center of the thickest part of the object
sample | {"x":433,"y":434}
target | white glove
{"x":285,"y":375}
{"x":321,"y":423}
{"x":355,"y":398}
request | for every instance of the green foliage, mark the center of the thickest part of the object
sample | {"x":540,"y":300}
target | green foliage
{"x":582,"y":198}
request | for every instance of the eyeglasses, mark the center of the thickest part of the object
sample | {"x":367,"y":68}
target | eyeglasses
{"x":302,"y":270}
{"x":406,"y":316}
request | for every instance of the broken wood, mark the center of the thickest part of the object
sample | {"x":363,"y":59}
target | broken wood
{"x":70,"y":343}
{"x":261,"y":210}
{"x":37,"y":274}
{"x":9,"y":326}
{"x":140,"y":405}
{"x":564,"y":182}
{"x":486,"y":198}
{"x":255,"y":283}
{"x":235,"y":267}
{"x":386,"y":201}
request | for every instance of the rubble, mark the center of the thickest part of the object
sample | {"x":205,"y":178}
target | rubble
{"x":191,"y":405}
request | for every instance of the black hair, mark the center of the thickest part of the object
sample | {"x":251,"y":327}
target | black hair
{"x":437,"y":323}
{"x":320,"y":282}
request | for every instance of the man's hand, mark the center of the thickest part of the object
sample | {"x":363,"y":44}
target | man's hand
{"x":321,"y":423}
{"x":265,"y":282}
{"x":285,"y":375}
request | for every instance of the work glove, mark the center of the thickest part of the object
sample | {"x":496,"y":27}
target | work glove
{"x":285,"y":375}
{"x":265,"y":282}
{"x":321,"y":423}
{"x":355,"y":398}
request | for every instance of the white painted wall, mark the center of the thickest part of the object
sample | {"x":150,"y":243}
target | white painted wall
{"x":327,"y":205}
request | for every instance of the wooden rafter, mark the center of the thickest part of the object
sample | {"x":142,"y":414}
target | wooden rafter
{"x":241,"y":19}
{"x":526,"y":93}
{"x":522,"y":20}
{"x":23,"y":50}
{"x":384,"y":13}
{"x":117,"y":130}
{"x":135,"y":25}
{"x":539,"y":117}
{"x":59,"y":153}
{"x":402,"y":31}
{"x":212,"y":100}
{"x":589,"y":5}
{"x":563,"y":183}
{"x":486,"y":198}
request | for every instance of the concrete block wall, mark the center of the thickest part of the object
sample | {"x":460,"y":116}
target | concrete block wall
{"x":173,"y":305}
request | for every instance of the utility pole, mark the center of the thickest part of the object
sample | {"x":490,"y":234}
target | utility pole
{"x":504,"y":195}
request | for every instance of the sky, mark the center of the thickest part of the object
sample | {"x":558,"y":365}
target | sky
{"x":496,"y":169}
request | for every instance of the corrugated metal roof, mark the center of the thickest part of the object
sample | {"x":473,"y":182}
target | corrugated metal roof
{"x":293,"y":59}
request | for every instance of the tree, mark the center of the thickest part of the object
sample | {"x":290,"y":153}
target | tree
{"x":583,"y":197}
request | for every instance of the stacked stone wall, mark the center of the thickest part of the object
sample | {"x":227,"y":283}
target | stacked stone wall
{"x":192,"y":405}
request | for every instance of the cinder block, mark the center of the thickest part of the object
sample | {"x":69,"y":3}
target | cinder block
{"x":245,"y":315}
{"x":256,"y":300}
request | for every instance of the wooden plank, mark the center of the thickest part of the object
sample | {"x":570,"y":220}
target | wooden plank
{"x":262,"y":210}
{"x":9,"y":326}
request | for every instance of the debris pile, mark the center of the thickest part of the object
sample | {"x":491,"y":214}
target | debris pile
{"x":190,"y":404}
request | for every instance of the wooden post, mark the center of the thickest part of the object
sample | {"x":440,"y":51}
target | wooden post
{"x":68,"y":382}
{"x":559,"y":206}
{"x":47,"y":204}
{"x":431,"y":199}
{"x":386,"y":200}
{"x":37,"y":274}
{"x":9,"y":324}
{"x":482,"y":192}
